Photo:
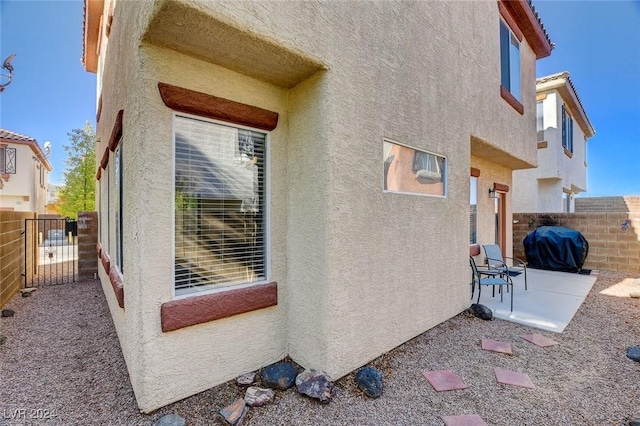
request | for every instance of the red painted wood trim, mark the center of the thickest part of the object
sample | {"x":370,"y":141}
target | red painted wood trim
{"x":197,"y":103}
{"x":474,"y":172}
{"x":510,"y":21}
{"x":99,"y":173}
{"x":209,"y":307}
{"x":116,"y":133}
{"x":99,"y":249}
{"x":511,"y":100}
{"x":500,"y":187}
{"x":116,"y":283}
{"x":474,"y":249}
{"x":106,"y":261}
{"x":528,"y":23}
{"x":105,"y":158}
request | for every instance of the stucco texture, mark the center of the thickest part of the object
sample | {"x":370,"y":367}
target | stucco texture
{"x":359,"y":270}
{"x":559,"y":173}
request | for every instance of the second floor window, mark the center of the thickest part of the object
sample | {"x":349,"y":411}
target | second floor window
{"x":567,"y":130}
{"x":540,"y":120}
{"x":509,"y":61}
{"x":8,"y":160}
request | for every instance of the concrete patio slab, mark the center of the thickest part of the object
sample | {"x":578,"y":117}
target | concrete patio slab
{"x":444,"y":380}
{"x":464,"y":420}
{"x":550,"y":302}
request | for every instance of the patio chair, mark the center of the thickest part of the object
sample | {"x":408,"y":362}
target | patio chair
{"x":495,"y":260}
{"x":500,"y":280}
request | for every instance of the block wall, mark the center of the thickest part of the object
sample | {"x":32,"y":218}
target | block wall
{"x":614,"y":237}
{"x":12,"y":253}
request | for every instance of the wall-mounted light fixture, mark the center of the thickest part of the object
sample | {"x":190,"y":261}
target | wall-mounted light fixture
{"x":492,"y":193}
{"x":7,"y":66}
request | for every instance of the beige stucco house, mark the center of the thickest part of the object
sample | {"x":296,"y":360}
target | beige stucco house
{"x":293,"y":178}
{"x":563,"y":129}
{"x":24,"y":173}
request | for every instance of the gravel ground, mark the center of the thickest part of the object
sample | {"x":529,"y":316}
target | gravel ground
{"x":62,"y":360}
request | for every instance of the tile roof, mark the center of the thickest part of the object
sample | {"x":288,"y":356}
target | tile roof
{"x":7,"y":134}
{"x":556,"y":76}
{"x":544,"y":30}
{"x":565,"y":75}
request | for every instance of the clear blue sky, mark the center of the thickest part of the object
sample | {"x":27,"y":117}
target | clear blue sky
{"x":596,"y":41}
{"x":51,"y":93}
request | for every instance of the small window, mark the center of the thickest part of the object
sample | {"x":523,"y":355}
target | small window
{"x":473,"y":215}
{"x":509,"y":61}
{"x":540,"y":120}
{"x":8,"y":160}
{"x":567,"y":130}
{"x":411,"y":171}
{"x":220,"y":205}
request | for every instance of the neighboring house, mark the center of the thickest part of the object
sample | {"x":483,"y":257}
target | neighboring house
{"x":24,"y":173}
{"x":53,"y":198}
{"x":293,"y":178}
{"x":563,"y":129}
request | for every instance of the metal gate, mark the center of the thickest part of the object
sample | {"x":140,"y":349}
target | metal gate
{"x":50,"y":251}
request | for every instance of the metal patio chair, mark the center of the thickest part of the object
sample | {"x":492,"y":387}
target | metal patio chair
{"x":500,"y":280}
{"x":495,"y":260}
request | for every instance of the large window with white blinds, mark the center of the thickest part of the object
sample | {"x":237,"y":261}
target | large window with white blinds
{"x":220,"y":205}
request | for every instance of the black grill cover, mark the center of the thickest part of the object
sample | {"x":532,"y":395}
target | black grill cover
{"x":556,"y":248}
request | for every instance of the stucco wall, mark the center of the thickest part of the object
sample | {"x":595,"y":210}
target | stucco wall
{"x":359,"y":271}
{"x":542,"y":189}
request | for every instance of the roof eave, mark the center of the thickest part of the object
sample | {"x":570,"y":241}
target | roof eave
{"x":569,"y":95}
{"x":530,"y":25}
{"x":33,"y":144}
{"x":92,"y":12}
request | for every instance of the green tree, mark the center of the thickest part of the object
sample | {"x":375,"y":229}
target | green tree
{"x":79,"y":188}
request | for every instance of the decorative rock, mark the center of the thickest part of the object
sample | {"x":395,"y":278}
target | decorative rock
{"x":315,"y":384}
{"x":635,"y":422}
{"x":171,"y":420}
{"x":633,"y":353}
{"x":481,"y":311}
{"x":281,"y":375}
{"x":8,"y":312}
{"x":234,"y":414}
{"x":369,"y":381}
{"x":28,"y":290}
{"x":26,"y":294}
{"x":634,"y":294}
{"x":246,"y":379}
{"x":3,"y":339}
{"x":636,"y":282}
{"x":257,"y":397}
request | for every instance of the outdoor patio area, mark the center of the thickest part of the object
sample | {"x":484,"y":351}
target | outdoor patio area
{"x":62,"y":357}
{"x":549,"y":303}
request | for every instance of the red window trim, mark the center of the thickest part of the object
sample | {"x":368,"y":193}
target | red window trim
{"x":194,"y":310}
{"x":511,"y":100}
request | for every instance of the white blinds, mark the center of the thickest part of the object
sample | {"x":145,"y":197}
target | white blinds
{"x":219,"y":205}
